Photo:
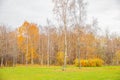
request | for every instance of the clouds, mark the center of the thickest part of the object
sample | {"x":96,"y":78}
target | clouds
{"x":107,"y":12}
{"x":15,"y":12}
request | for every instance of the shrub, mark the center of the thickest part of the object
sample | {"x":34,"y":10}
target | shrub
{"x":84,"y":63}
{"x":89,"y":62}
{"x":99,"y":62}
{"x":116,"y":59}
{"x":60,"y":58}
{"x":92,"y":62}
{"x":76,"y":62}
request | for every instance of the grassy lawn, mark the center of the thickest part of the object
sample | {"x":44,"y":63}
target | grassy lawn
{"x":55,"y":73}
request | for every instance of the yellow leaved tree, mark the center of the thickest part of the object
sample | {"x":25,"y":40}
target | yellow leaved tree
{"x":28,"y":37}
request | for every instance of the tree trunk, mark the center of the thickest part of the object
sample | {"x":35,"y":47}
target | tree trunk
{"x":6,"y":64}
{"x":1,"y":61}
{"x":79,"y":51}
{"x":22,"y":58}
{"x":26,"y":51}
{"x":26,"y":59}
{"x":6,"y":61}
{"x":41,"y":52}
{"x":65,"y":54}
{"x":48,"y":50}
{"x":48,"y":62}
{"x":13,"y":61}
{"x":42,"y":59}
{"x":32,"y":62}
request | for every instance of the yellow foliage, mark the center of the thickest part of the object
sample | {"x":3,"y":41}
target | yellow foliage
{"x":60,"y":58}
{"x":90,"y":62}
{"x":116,"y":58}
{"x":88,"y":45}
{"x":117,"y":54}
{"x":28,"y":37}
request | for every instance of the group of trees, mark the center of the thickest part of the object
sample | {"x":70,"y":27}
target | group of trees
{"x":58,"y":44}
{"x":30,"y":44}
{"x":8,"y":46}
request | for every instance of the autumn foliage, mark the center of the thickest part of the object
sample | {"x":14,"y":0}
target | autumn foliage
{"x":60,"y":58}
{"x":29,"y":44}
{"x":96,"y":62}
{"x":68,"y":40}
{"x":28,"y":36}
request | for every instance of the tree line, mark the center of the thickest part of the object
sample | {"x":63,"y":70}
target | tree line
{"x":30,"y":44}
{"x":59,"y":44}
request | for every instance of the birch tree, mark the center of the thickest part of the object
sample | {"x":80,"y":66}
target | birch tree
{"x":61,"y":11}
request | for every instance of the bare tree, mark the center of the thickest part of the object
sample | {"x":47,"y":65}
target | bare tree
{"x":12,"y":47}
{"x":27,"y":39}
{"x":61,"y":9}
{"x":80,"y":23}
{"x":48,"y":42}
{"x":3,"y":35}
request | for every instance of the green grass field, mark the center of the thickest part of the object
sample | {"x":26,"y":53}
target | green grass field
{"x":55,"y":73}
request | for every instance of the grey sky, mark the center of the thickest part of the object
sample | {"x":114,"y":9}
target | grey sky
{"x":15,"y":12}
{"x":107,"y":12}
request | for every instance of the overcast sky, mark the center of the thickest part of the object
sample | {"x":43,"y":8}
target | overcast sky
{"x":15,"y":12}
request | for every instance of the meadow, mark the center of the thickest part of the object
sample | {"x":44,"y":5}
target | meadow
{"x":55,"y":73}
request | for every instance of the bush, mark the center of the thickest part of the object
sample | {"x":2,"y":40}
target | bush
{"x":89,"y":62}
{"x":84,"y":63}
{"x":60,"y":58}
{"x":116,"y":59}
